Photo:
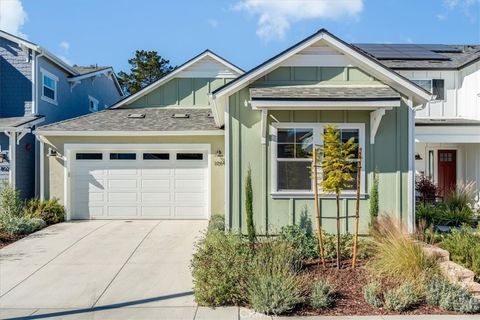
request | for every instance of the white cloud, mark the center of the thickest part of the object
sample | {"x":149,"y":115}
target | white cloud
{"x":464,"y":6}
{"x":452,"y":4}
{"x":65,"y":45}
{"x":213,"y":23}
{"x":12,"y":16}
{"x":276,"y":16}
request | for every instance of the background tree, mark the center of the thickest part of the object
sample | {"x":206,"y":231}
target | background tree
{"x":337,"y":168}
{"x":146,"y":68}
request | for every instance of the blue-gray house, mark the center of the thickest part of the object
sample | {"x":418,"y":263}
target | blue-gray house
{"x":38,"y":88}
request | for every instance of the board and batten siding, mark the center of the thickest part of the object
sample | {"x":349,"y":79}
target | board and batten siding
{"x":389,"y":155}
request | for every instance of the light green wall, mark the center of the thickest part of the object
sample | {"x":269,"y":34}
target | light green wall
{"x":180,"y":92}
{"x":389,"y":155}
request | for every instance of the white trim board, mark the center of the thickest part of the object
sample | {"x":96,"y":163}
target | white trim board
{"x":47,"y":133}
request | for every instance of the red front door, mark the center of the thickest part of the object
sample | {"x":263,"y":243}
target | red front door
{"x":447,"y":171}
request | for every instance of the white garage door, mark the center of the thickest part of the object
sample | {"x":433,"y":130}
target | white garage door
{"x":158,"y":184}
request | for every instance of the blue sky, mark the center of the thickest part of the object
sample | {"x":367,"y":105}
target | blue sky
{"x":246,"y":32}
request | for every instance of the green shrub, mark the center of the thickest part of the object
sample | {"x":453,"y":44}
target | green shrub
{"x":22,"y":225}
{"x":430,"y":213}
{"x":11,"y":205}
{"x":456,"y":298}
{"x":464,"y":248}
{"x":220,"y":269}
{"x":372,"y":293}
{"x":217,"y":222}
{"x":396,"y":255}
{"x":306,"y":243}
{"x":373,"y":204}
{"x":249,"y":206}
{"x":322,"y":295}
{"x":49,"y":211}
{"x":274,"y":285}
{"x":401,"y":298}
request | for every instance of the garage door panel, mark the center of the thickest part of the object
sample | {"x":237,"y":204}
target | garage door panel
{"x":156,"y":183}
{"x":123,"y":183}
{"x":146,"y":172}
{"x":189,"y":211}
{"x":122,"y":197}
{"x":122,"y":211}
{"x":157,"y":211}
{"x":189,"y":197}
{"x":189,"y":184}
{"x":156,"y":197}
{"x":96,"y":212}
{"x":189,"y":172}
{"x":122,"y":172}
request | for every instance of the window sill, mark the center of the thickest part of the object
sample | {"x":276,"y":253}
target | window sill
{"x":310,"y":195}
{"x":46,"y":99}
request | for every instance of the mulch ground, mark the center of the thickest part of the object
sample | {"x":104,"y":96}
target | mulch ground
{"x":6,"y":239}
{"x":349,"y":284}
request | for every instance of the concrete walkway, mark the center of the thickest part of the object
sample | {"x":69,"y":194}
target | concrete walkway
{"x":110,"y":265}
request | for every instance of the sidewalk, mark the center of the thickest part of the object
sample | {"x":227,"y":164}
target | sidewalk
{"x":192,"y":313}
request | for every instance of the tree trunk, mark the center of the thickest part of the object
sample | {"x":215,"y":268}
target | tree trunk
{"x":338,"y":229}
{"x":317,"y":207}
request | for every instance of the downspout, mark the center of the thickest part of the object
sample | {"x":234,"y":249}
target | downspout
{"x":38,"y":164}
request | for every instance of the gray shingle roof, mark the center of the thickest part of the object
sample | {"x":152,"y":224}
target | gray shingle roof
{"x":453,"y":60}
{"x":156,"y":119}
{"x":323,"y":93}
{"x":13,"y":122}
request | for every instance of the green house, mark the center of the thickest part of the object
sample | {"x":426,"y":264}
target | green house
{"x":180,"y":148}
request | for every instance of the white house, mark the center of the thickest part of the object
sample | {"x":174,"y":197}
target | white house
{"x":447,"y":131}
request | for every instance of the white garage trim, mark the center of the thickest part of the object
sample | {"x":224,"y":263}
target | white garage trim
{"x":70,"y":149}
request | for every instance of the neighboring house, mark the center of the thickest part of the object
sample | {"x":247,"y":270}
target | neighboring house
{"x":167,"y":152}
{"x":36,"y":87}
{"x":448,"y":130}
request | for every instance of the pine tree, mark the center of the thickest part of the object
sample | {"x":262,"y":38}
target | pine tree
{"x":373,"y":209}
{"x":337,"y":169}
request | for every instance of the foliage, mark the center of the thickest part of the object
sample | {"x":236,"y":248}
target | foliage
{"x":146,"y":68}
{"x":322,"y":295}
{"x":220,"y":269}
{"x":401,"y":298}
{"x":427,"y":189}
{"x":274,"y":285}
{"x":396,"y":256}
{"x":217,"y":222}
{"x":374,"y":206}
{"x":462,"y":197}
{"x":22,"y":225}
{"x":11,"y":205}
{"x":249,"y":206}
{"x":464,"y":247}
{"x":49,"y":211}
{"x":336,"y":161}
{"x":373,"y":295}
{"x":440,"y":292}
{"x":443,"y":214}
{"x":307,"y":244}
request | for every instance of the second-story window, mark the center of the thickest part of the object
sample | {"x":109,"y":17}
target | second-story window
{"x":434,"y":86}
{"x":92,"y":104}
{"x":49,"y":86}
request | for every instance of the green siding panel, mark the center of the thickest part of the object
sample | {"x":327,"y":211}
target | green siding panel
{"x":332,"y":73}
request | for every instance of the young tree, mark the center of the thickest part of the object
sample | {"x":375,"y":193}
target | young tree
{"x":146,"y":68}
{"x":337,"y":168}
{"x":249,"y":206}
{"x":373,"y":209}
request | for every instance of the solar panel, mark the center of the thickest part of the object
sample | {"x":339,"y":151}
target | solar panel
{"x":441,"y":48}
{"x":401,"y":51}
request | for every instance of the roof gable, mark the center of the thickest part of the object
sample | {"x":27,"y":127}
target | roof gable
{"x":206,"y":65}
{"x":340,"y":53}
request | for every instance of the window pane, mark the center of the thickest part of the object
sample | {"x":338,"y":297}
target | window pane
{"x":88,"y":156}
{"x":438,"y":88}
{"x":48,"y":82}
{"x":425,"y":84}
{"x":346,"y":134}
{"x":293,"y":175}
{"x":303,"y":150}
{"x":353,"y":184}
{"x":286,"y":135}
{"x":49,"y":93}
{"x":304,"y":136}
{"x":156,"y":156}
{"x":189,"y":156}
{"x":123,"y":156}
{"x":285,"y":150}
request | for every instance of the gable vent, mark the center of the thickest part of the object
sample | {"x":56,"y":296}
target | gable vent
{"x":136,"y":115}
{"x":180,"y":115}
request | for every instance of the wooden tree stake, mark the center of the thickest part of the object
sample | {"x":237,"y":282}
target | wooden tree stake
{"x":317,"y":206}
{"x":357,"y":208}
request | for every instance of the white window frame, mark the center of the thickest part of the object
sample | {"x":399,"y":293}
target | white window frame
{"x":53,"y":77}
{"x":429,"y":80}
{"x":431,"y":87}
{"x":318,"y":128}
{"x":95,"y":103}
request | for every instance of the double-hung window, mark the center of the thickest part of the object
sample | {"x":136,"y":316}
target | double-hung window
{"x":292,"y":155}
{"x":434,"y":86}
{"x":49,"y":86}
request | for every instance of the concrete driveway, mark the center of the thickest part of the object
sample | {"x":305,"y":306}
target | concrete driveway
{"x":75,"y":266}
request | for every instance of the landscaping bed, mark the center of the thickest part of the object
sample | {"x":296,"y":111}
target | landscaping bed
{"x":6,"y":238}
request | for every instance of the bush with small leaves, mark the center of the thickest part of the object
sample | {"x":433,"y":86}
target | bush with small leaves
{"x":322,"y":295}
{"x":274,"y":285}
{"x":306,"y":243}
{"x":50,"y":211}
{"x":372,"y":293}
{"x":217,"y":222}
{"x":456,"y":298}
{"x":434,"y":289}
{"x":401,"y":298}
{"x":22,"y":225}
